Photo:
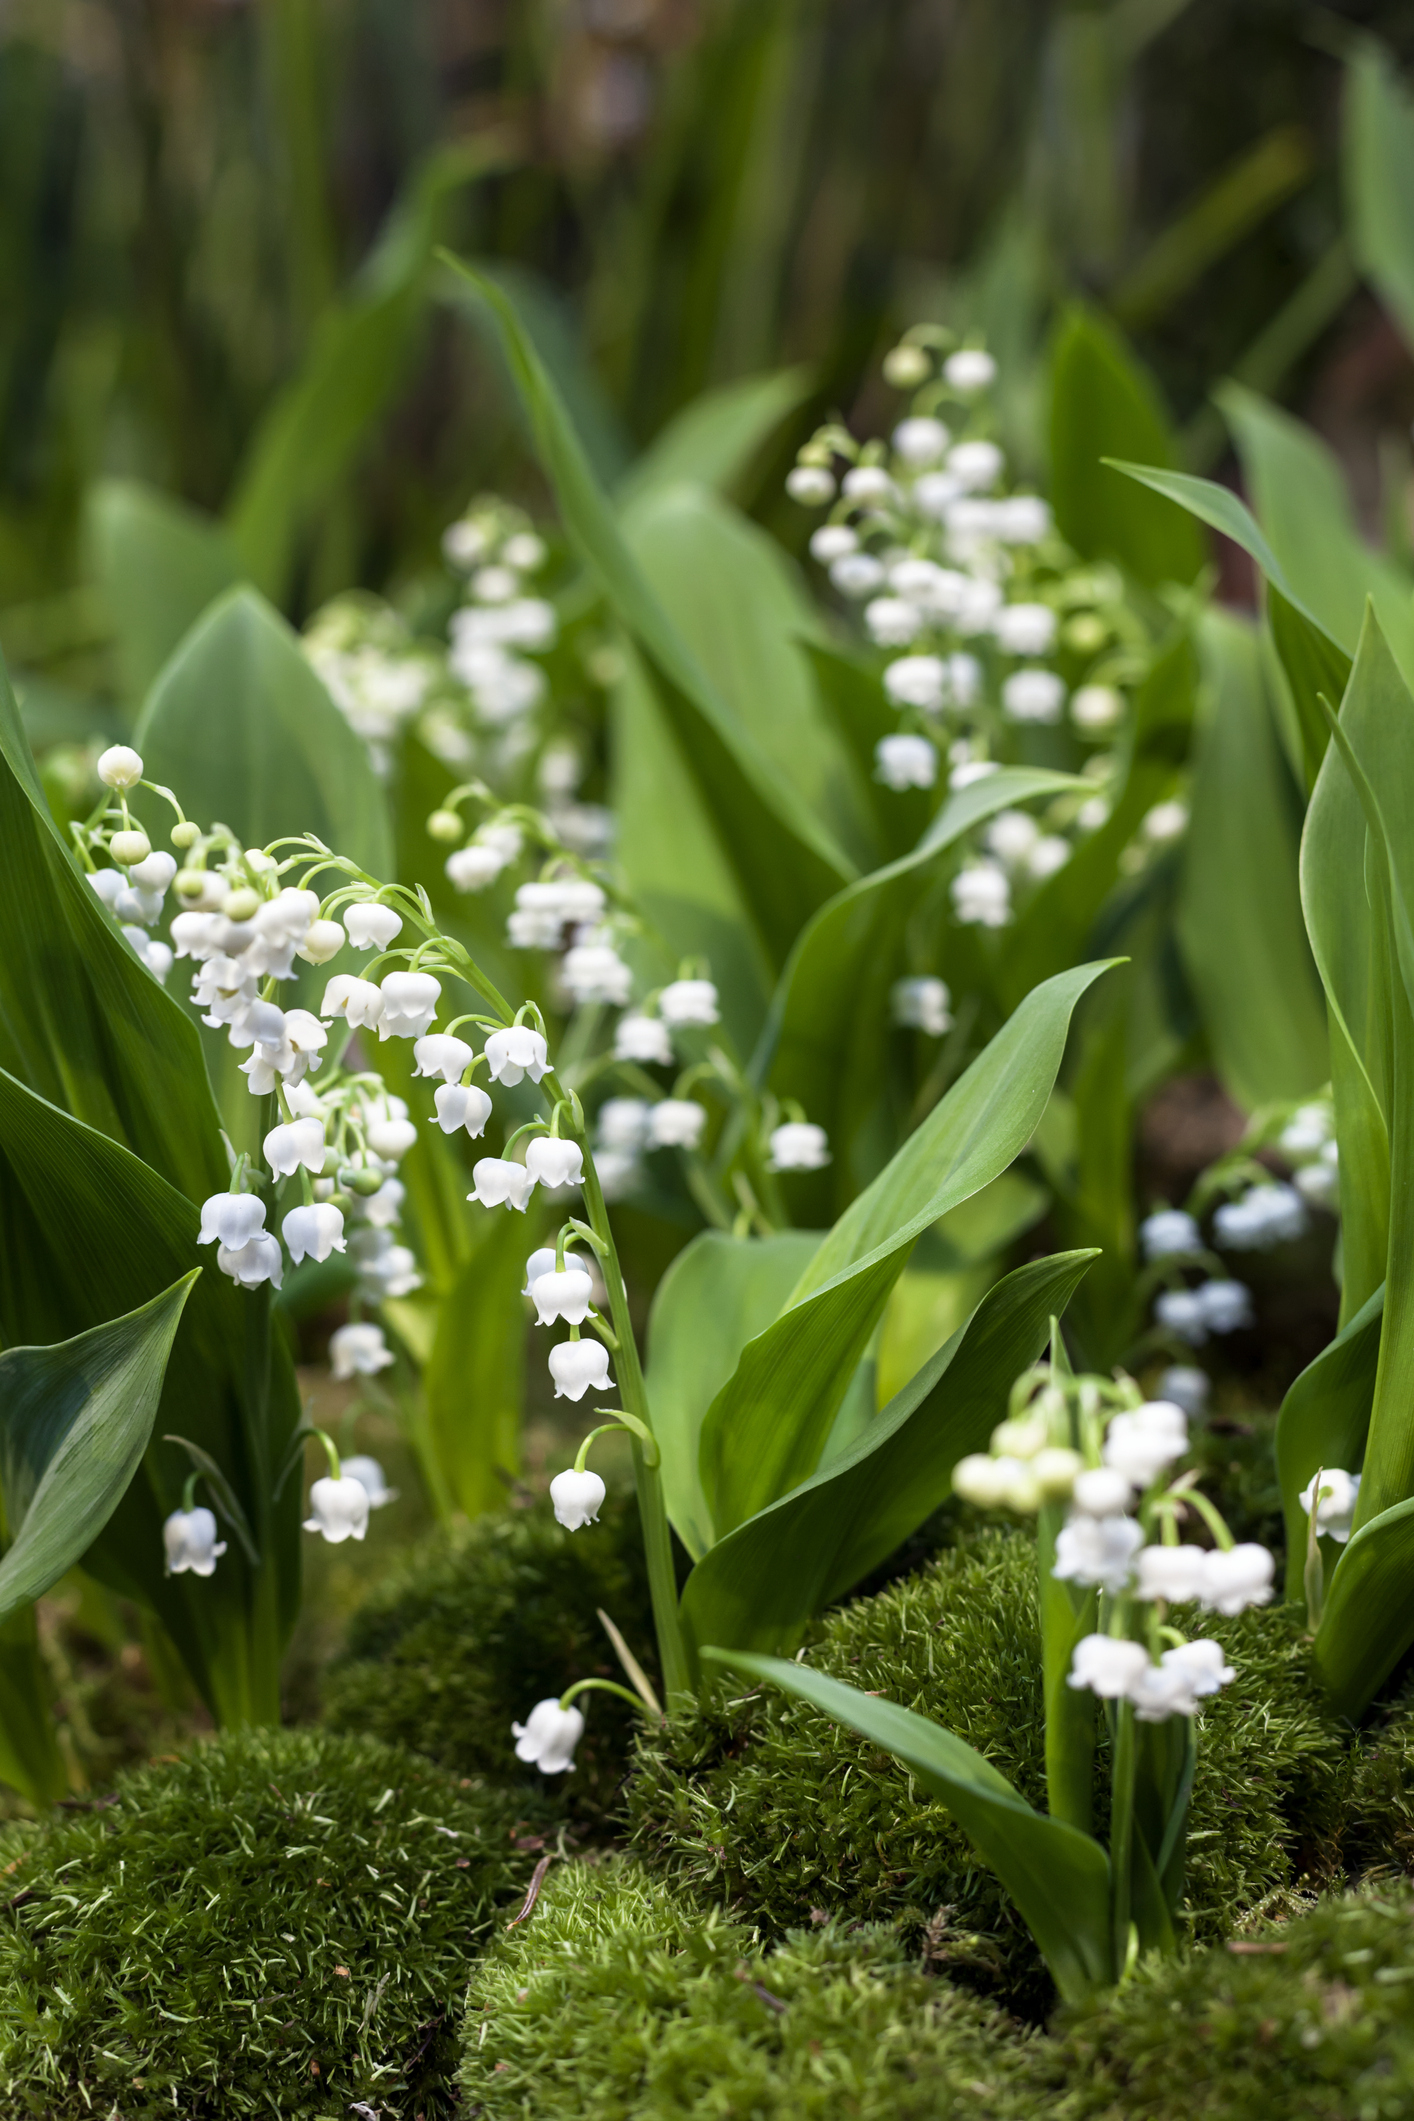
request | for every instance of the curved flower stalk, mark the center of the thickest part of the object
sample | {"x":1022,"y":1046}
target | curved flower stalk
{"x":1102,"y":1470}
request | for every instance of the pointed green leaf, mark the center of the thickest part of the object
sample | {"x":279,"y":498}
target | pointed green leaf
{"x":1324,"y":1420}
{"x":1059,"y":1878}
{"x":1313,"y":667}
{"x":827,"y":1033}
{"x":1378,"y":141}
{"x":1103,"y":405}
{"x":30,"y":1760}
{"x":767,"y":1427}
{"x":715,"y":439}
{"x":75,"y":1419}
{"x":158,"y":565}
{"x":1368,"y":1623}
{"x":1239,"y":924}
{"x":760,"y":1585}
{"x":785,"y":861}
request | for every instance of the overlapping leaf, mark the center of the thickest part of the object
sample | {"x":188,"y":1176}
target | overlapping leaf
{"x":158,"y":565}
{"x":1324,"y":1420}
{"x":714,"y":440}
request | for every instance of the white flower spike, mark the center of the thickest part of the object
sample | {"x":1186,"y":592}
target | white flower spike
{"x":577,"y":1498}
{"x":548,"y":1737}
{"x":189,"y":1537}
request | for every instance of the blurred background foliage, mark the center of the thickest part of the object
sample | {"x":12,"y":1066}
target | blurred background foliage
{"x":211,"y":207}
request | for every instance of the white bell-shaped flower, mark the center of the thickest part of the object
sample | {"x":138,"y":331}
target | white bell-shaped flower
{"x":1181,"y":1313}
{"x":968,"y":370}
{"x":905,"y":761}
{"x":1187,"y":1386}
{"x":313,"y":1232}
{"x":921,"y":440}
{"x":688,"y":1001}
{"x":1226,"y":1306}
{"x":1107,"y":1665}
{"x":439,"y":1053}
{"x":580,"y":1366}
{"x":919,"y":681}
{"x":155,"y":874}
{"x":358,"y":1001}
{"x":676,"y":1123}
{"x":542,"y":1261}
{"x":409,"y":1003}
{"x":369,"y":1474}
{"x":977,"y":465}
{"x":338,"y":1509}
{"x":516,"y":1052}
{"x":981,"y":893}
{"x":391,"y":1138}
{"x":644,"y":1039}
{"x":499,"y":1183}
{"x":371,"y":926}
{"x":384,"y":1268}
{"x":1205,"y":1664}
{"x":384,"y":1209}
{"x":1096,"y":709}
{"x":798,"y":1145}
{"x":622,"y":1123}
{"x":295,"y":1142}
{"x":189,"y":1537}
{"x":1098,"y":1550}
{"x":462,"y":1105}
{"x":358,"y":1350}
{"x":258,"y":1260}
{"x":231,"y":1219}
{"x":564,"y":1295}
{"x":1100,"y":1491}
{"x":1025,"y":629}
{"x":1237,"y":1577}
{"x":1141,"y":1444}
{"x":594,"y":972}
{"x":1169,"y":1233}
{"x":1176,"y":1574}
{"x":576,"y":1498}
{"x":1034,"y":696}
{"x":473,"y":868}
{"x":548,"y":1737}
{"x":922,"y":1004}
{"x":1162,"y":1690}
{"x":553,"y":1163}
{"x":119,"y":766}
{"x":1335,"y":1513}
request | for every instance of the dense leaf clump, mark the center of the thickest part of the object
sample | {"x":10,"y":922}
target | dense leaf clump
{"x":476,"y":1626}
{"x":277,"y":1924}
{"x":618,"y":1998}
{"x":773,"y":1811}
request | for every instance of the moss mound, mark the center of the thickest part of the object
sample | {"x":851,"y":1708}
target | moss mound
{"x":476,"y":1626}
{"x":618,"y":1999}
{"x":277,"y":1924}
{"x":767,"y":1808}
{"x":1311,"y":2023}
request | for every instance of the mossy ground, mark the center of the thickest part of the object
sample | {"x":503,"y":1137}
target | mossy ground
{"x":770,"y":1810}
{"x":279,"y":1923}
{"x":474,"y":1627}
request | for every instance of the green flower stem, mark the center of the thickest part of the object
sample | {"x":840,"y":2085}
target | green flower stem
{"x":1070,"y":1711}
{"x":620,"y":1422}
{"x":657,"y":1538}
{"x":1122,"y":1831}
{"x":601,"y":1686}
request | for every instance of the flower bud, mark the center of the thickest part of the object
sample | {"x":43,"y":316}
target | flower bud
{"x":119,"y":766}
{"x":323,"y":940}
{"x":190,"y":883}
{"x":185,"y":834}
{"x":1020,"y":1439}
{"x":444,"y":825}
{"x":905,"y":367}
{"x":242,"y":904}
{"x":129,"y":847}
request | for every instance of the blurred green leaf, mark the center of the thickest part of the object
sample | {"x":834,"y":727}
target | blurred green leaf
{"x":767,"y":1427}
{"x":158,"y":564}
{"x":1368,"y":1622}
{"x":1104,"y":405}
{"x":716,"y":1296}
{"x":760,"y":1585}
{"x":361,"y":349}
{"x":1378,"y":153}
{"x":30,"y":1760}
{"x":474,"y":1381}
{"x":827,"y":1033}
{"x":1239,"y":922}
{"x":1323,"y":1422}
{"x":715,"y":439}
{"x":75,"y":1419}
{"x":784,"y":861}
{"x":551,"y":325}
{"x":1312,"y":665}
{"x":1058,"y":1877}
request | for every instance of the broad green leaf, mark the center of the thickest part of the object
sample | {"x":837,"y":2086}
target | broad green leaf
{"x":552,"y":327}
{"x":1302,"y":502}
{"x":1220,"y":508}
{"x":742,"y":611}
{"x":1239,"y":922}
{"x":1058,"y":1877}
{"x":30,"y":1760}
{"x":716,"y":1296}
{"x":715,"y":439}
{"x":1096,"y":1205}
{"x":75,"y":1419}
{"x":854,"y":699}
{"x":1368,"y":1622}
{"x":241,"y":728}
{"x":360,"y":352}
{"x":766,"y":1428}
{"x":474,"y":1381}
{"x":1066,"y":1614}
{"x":1055,"y":928}
{"x":81,"y":1021}
{"x":784,"y":861}
{"x":1313,"y":666}
{"x":759,"y":1586}
{"x":1103,"y":404}
{"x":954,"y":1265}
{"x":1323,"y":1422}
{"x":1378,"y":143}
{"x":158,"y":565}
{"x":88,"y":1233}
{"x":827,"y":1032}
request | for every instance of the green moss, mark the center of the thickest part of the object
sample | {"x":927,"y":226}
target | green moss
{"x":278,"y":1923}
{"x":1311,"y":2023}
{"x":474,"y":1628}
{"x":771,"y":1810}
{"x":617,"y":1999}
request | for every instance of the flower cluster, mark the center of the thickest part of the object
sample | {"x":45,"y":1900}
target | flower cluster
{"x":1112,"y":1459}
{"x":378,"y":674}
